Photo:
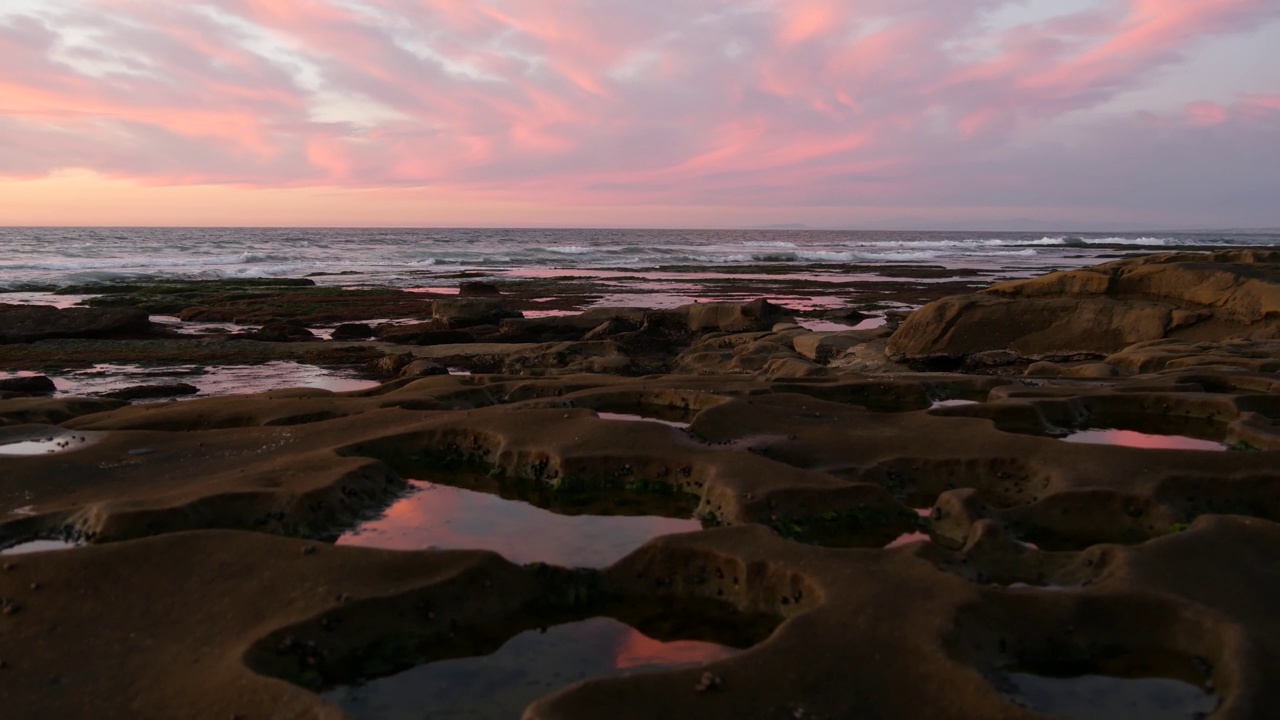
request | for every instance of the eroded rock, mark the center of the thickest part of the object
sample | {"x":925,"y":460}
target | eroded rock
{"x":1101,"y":310}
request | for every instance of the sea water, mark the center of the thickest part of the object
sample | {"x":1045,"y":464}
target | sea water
{"x":36,"y":258}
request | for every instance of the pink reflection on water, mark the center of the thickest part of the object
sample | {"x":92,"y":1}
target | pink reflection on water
{"x":434,"y":290}
{"x":1146,"y":441}
{"x":440,"y":516}
{"x":908,"y":539}
{"x":530,"y":665}
{"x":635,"y":650}
{"x":831,"y":326}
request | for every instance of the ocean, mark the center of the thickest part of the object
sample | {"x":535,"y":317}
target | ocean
{"x":817,"y":273}
{"x":36,"y":259}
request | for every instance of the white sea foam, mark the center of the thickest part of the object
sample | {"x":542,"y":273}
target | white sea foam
{"x":140,"y":263}
{"x":805,"y":256}
{"x":1077,"y":240}
{"x":570,"y":249}
{"x":898,"y":256}
{"x":1130,"y":241}
{"x":770,"y":243}
{"x":262,"y":271}
{"x":712,"y":259}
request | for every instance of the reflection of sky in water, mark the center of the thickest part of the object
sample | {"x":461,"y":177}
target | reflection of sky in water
{"x":41,"y":298}
{"x":911,"y":538}
{"x":211,"y":379}
{"x":37,"y":546}
{"x":630,"y":417}
{"x":1099,"y":697}
{"x":951,"y":403}
{"x":1146,"y":441}
{"x":870,"y":323}
{"x":529,"y":666}
{"x":54,"y":441}
{"x":440,"y":516}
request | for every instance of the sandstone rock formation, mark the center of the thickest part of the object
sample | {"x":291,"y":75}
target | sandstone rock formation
{"x":1027,"y":550}
{"x":1097,"y":311}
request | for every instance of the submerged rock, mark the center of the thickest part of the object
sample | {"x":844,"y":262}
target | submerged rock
{"x":352,"y":331}
{"x":476,"y":288}
{"x":422,"y":334}
{"x":159,"y":390}
{"x":287,"y":331}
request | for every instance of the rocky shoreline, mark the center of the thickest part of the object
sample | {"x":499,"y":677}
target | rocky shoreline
{"x":911,"y":506}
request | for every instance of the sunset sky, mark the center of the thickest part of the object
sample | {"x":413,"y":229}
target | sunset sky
{"x":1107,"y":114}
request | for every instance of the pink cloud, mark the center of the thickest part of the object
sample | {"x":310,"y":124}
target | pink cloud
{"x":1204,"y":114}
{"x":675,"y":101}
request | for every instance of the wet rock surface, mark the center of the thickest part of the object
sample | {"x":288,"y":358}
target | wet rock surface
{"x":887,"y":531}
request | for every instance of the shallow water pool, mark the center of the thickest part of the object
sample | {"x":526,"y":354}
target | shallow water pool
{"x":447,"y":517}
{"x":1146,"y":441}
{"x":530,"y":665}
{"x":1101,"y":697}
{"x":52,"y":440}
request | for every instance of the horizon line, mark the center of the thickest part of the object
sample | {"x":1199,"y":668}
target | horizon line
{"x":782,"y":227}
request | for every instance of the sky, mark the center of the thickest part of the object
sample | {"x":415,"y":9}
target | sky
{"x":995,"y":114}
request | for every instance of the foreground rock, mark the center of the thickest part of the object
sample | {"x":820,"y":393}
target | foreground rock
{"x":1135,"y":551}
{"x":1101,"y":310}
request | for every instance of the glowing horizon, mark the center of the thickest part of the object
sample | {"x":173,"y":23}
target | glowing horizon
{"x":688,"y":113}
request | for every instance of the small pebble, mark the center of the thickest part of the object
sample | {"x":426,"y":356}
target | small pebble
{"x":708,"y":681}
{"x":309,"y":550}
{"x":35,"y":586}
